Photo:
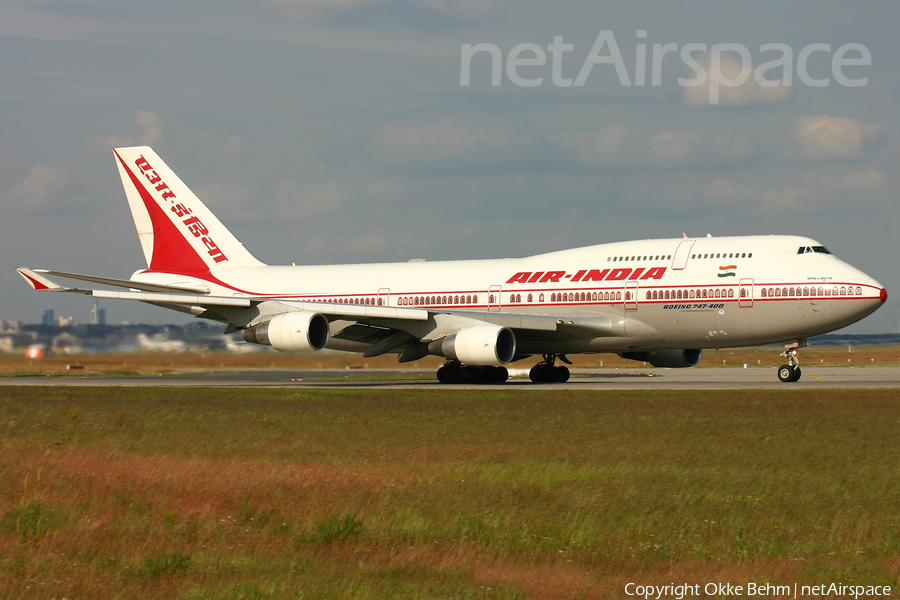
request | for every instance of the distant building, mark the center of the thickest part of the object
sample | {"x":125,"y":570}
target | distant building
{"x":98,"y":315}
{"x":47,"y":319}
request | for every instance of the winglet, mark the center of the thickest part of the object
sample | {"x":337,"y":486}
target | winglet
{"x":39,"y":282}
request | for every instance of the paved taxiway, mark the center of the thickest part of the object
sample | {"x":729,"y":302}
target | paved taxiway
{"x":582,"y":379}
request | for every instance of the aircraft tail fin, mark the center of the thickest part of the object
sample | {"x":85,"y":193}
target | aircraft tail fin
{"x":178,"y":233}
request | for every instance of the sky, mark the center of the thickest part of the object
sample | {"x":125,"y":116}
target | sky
{"x":336,"y":131}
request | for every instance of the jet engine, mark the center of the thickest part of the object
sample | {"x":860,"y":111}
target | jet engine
{"x":673,"y":359}
{"x":479,"y":345}
{"x":299,"y":331}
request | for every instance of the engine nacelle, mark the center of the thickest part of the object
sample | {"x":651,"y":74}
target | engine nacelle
{"x":479,"y":345}
{"x":299,"y":331}
{"x":672,"y":359}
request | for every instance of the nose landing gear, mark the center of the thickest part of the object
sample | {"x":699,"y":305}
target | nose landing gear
{"x":547,"y":372}
{"x":790,"y":372}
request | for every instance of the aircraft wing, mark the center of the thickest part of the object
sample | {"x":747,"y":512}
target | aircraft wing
{"x":380,"y":328}
{"x":179,"y":297}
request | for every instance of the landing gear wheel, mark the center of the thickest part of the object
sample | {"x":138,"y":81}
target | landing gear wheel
{"x":453,"y":372}
{"x":547,"y":372}
{"x":499,"y":374}
{"x":785,"y":373}
{"x":542,"y":373}
{"x":448,"y":374}
{"x":788,"y":374}
{"x":469,"y":375}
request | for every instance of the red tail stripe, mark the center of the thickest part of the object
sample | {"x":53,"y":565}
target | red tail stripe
{"x":171,"y":250}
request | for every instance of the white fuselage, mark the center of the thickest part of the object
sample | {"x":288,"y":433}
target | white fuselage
{"x":670,"y":293}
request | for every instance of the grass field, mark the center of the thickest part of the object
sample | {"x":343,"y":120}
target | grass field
{"x":277,"y":494}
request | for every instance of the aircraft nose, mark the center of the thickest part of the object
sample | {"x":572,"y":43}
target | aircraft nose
{"x":883,"y":295}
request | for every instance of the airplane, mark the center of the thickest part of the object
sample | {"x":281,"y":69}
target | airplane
{"x":659,"y":301}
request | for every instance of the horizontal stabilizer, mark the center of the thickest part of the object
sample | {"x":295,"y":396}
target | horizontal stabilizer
{"x":41,"y":283}
{"x":127,"y":283}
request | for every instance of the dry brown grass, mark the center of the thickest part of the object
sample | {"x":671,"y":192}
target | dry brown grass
{"x":258,"y":494}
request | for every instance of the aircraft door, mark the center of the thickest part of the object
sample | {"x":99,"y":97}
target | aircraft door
{"x":494,"y":298}
{"x":681,"y":254}
{"x":384,"y":297}
{"x":631,"y":295}
{"x":745,"y":292}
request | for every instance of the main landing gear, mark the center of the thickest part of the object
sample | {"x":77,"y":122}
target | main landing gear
{"x":454,"y":372}
{"x":547,"y":372}
{"x":790,"y":372}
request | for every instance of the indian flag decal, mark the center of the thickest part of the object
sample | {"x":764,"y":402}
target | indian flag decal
{"x":728,"y":271}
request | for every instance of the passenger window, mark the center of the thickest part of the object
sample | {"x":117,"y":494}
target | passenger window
{"x":530,"y":298}
{"x":541,"y":298}
{"x":731,"y":293}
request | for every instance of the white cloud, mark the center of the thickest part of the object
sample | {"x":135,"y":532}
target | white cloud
{"x":668,"y":149}
{"x":620,"y":145}
{"x":44,"y":189}
{"x":826,"y":138}
{"x":868,"y":180}
{"x":748,"y":93}
{"x":151,"y":134}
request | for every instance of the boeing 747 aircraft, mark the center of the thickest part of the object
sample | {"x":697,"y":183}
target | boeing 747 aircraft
{"x":658,"y":301}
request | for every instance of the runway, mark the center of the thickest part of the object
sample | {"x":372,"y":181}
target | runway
{"x":582,"y":379}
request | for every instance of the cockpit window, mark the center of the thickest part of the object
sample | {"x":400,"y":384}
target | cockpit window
{"x":813,"y":249}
